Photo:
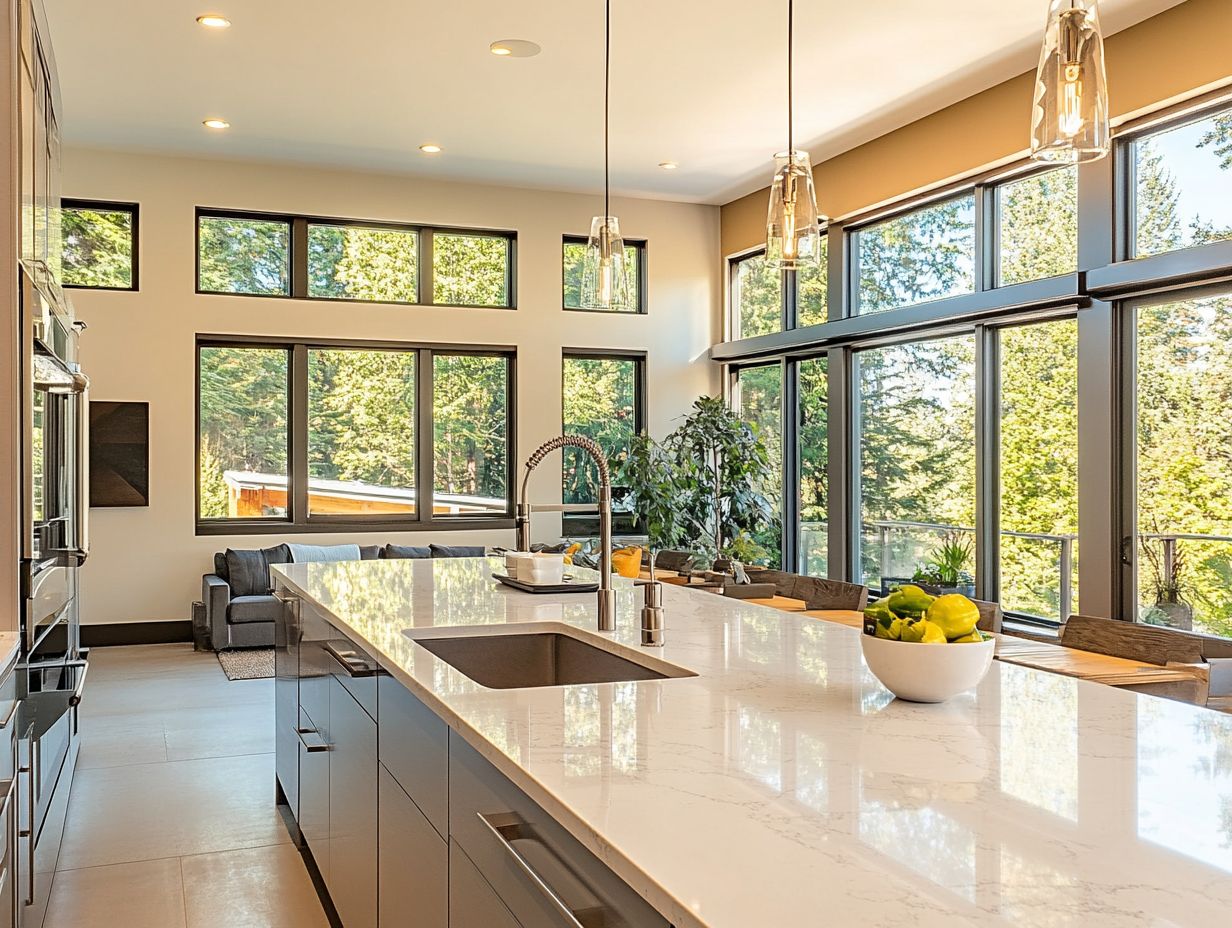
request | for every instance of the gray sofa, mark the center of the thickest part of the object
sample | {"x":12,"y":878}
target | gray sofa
{"x":240,"y":608}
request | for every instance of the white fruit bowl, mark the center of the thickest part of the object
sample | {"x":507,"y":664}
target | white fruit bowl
{"x":920,"y":672}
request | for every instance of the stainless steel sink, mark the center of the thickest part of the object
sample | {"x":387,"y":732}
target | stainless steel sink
{"x":525,"y":659}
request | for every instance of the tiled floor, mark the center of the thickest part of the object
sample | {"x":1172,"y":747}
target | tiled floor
{"x":172,"y":821}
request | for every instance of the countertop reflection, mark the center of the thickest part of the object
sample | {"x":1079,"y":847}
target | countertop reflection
{"x":784,"y":785}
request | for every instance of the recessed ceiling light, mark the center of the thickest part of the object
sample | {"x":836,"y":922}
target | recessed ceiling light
{"x":213,"y":21}
{"x":668,"y":165}
{"x":514,"y":48}
{"x":428,"y":148}
{"x":216,"y":124}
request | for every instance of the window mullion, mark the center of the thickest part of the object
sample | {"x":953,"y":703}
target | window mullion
{"x":987,"y":464}
{"x":297,"y":481}
{"x":789,"y":417}
{"x":427,"y":286}
{"x":299,"y":258}
{"x":425,"y":473}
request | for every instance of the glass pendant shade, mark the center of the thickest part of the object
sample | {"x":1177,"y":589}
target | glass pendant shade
{"x":605,"y":272}
{"x":1069,"y":119}
{"x":793,"y":235}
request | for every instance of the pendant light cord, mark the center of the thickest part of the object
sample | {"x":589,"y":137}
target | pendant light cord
{"x":791,"y":155}
{"x":607,"y":83}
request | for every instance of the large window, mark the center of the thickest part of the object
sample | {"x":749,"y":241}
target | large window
{"x":572,"y":254}
{"x":361,"y":431}
{"x":237,"y":254}
{"x":814,"y":424}
{"x":1182,"y":433}
{"x":1038,"y":457}
{"x":99,"y":244}
{"x":926,"y":254}
{"x":260,"y":254}
{"x":354,"y":452}
{"x":471,"y":433}
{"x":916,"y":426}
{"x":243,"y":432}
{"x":759,"y":392}
{"x":347,"y":262}
{"x":601,"y":398}
{"x":1182,"y":185}
{"x":765,"y":300}
{"x":1037,"y":226}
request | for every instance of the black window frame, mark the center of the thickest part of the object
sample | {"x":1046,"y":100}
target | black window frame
{"x":584,"y":523}
{"x":642,"y":271}
{"x":112,"y":206}
{"x":789,"y":304}
{"x":298,"y":518}
{"x":298,"y":225}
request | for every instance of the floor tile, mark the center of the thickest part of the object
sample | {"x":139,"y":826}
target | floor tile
{"x":265,"y":887}
{"x":122,"y":746}
{"x":219,"y":731}
{"x":148,"y":811}
{"x":148,"y":894}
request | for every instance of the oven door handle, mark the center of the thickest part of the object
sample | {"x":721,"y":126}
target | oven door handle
{"x":82,"y":499}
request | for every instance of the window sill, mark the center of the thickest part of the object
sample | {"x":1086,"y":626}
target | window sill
{"x":240,"y":527}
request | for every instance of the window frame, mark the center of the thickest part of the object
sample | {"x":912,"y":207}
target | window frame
{"x":298,"y":225}
{"x":584,"y":514}
{"x":299,"y":519}
{"x":643,"y":301}
{"x":116,"y":206}
{"x":789,"y":305}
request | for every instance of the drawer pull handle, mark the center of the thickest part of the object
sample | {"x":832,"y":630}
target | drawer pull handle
{"x":314,"y":746}
{"x":352,"y":663}
{"x":507,"y":828}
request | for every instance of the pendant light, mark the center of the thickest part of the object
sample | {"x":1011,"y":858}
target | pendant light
{"x":1069,"y":120}
{"x":793,"y":238}
{"x":605,"y":278}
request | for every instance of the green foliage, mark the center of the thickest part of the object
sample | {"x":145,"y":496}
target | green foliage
{"x":244,"y":255}
{"x":600,"y":402}
{"x":700,"y":487}
{"x":352,"y":262}
{"x":947,"y":563}
{"x":471,"y":425}
{"x":98,"y":247}
{"x":759,"y":297}
{"x":573,"y":255}
{"x":923,"y":255}
{"x":214,"y":496}
{"x":469,"y":270}
{"x":761,"y":405}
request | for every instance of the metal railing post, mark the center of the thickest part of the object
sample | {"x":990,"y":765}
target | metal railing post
{"x":1067,"y":577}
{"x":883,"y":533}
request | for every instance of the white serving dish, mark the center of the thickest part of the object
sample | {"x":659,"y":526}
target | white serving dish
{"x":920,"y":672}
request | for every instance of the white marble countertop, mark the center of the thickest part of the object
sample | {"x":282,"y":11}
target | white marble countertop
{"x":783,"y":786}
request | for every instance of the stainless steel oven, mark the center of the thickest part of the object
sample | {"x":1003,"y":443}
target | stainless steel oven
{"x":56,"y":530}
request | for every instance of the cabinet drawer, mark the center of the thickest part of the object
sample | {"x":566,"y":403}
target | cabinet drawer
{"x":414,"y":745}
{"x":541,"y":872}
{"x":472,"y":902}
{"x":413,"y":862}
{"x":354,"y":669}
{"x":315,"y":671}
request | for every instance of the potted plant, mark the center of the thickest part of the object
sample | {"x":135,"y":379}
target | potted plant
{"x":946,"y":569}
{"x":1167,"y":585}
{"x":699,"y":488}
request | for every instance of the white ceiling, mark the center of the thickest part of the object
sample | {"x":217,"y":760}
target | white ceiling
{"x":362,"y":84}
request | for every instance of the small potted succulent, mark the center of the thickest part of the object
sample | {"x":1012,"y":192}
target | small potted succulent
{"x":946,"y":570}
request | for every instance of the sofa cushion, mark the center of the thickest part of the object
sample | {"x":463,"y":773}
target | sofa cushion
{"x":370,"y":552}
{"x":458,"y":550}
{"x":406,"y":551}
{"x":306,"y":554}
{"x":248,"y":570}
{"x":220,"y":565}
{"x":246,"y":609}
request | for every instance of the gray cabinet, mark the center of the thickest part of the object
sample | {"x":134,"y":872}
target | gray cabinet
{"x":414,"y":747}
{"x":286,"y":700}
{"x":413,"y":862}
{"x":352,"y":874}
{"x":472,"y":902}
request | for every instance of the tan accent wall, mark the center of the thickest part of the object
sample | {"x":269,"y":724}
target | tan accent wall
{"x":1182,"y":50}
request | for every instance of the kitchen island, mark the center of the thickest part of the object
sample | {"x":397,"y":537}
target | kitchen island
{"x":783,"y":785}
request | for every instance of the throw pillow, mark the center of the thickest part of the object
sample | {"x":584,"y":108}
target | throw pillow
{"x":401,"y":552}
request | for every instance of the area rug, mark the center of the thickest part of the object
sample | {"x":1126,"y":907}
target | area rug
{"x":249,"y":664}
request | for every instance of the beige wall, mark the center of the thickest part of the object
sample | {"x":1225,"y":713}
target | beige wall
{"x":1177,"y":52}
{"x":147,"y":563}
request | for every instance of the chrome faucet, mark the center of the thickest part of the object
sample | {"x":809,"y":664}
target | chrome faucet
{"x":607,"y":598}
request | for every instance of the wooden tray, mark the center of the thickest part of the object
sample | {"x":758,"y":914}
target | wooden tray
{"x":569,"y":586}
